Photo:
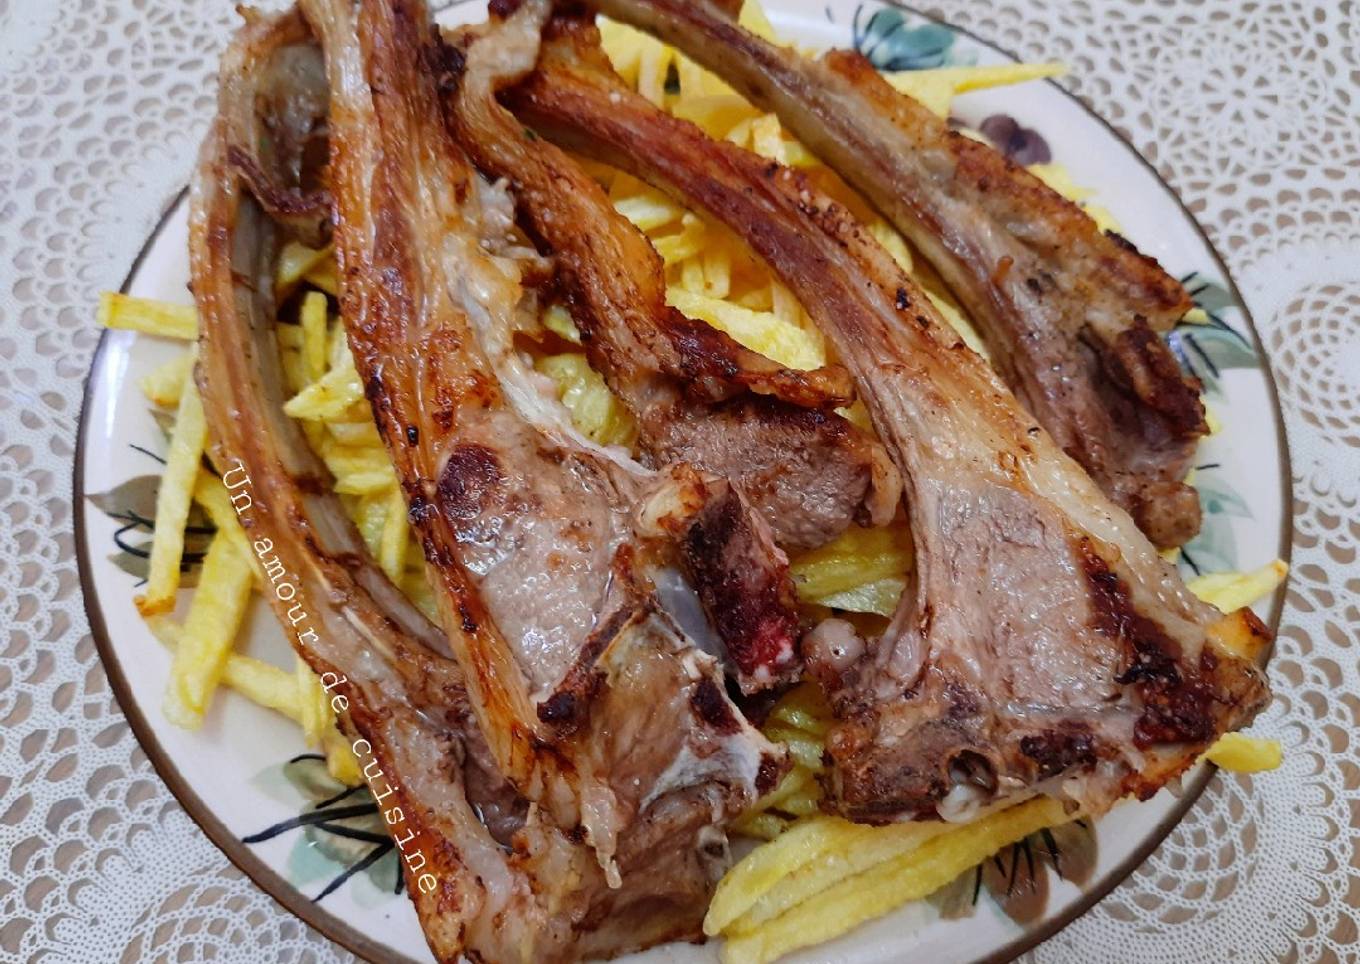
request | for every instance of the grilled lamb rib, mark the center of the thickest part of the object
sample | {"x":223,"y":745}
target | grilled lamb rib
{"x":1042,"y":645}
{"x":488,"y":877}
{"x":551,"y":558}
{"x":698,"y":396}
{"x":1071,"y":315}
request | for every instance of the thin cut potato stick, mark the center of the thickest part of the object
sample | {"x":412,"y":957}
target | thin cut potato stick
{"x":396,"y":536}
{"x":765,"y":866}
{"x":1245,"y":754}
{"x":164,"y":384}
{"x":765,"y":826}
{"x":214,"y":618}
{"x":295,"y":260}
{"x":891,"y":884}
{"x":172,"y":503}
{"x":313,"y":318}
{"x":211,"y":494}
{"x":936,"y":88}
{"x":147,"y":315}
{"x":1230,"y":591}
{"x":260,"y":682}
{"x":311,"y":701}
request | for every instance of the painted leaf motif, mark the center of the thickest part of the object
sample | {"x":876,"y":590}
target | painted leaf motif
{"x":1218,"y":497}
{"x":343,"y":832}
{"x":1208,"y":294}
{"x":891,"y":44}
{"x":135,"y":497}
{"x":1023,"y":145}
{"x":132,"y":504}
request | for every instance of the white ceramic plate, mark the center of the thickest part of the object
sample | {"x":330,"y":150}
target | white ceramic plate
{"x":235,"y":776}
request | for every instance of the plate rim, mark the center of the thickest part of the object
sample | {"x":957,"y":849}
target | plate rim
{"x":338,"y":931}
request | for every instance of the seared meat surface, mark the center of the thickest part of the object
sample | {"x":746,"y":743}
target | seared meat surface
{"x":492,"y":877}
{"x":1042,"y":644}
{"x":698,"y":396}
{"x":547,"y":555}
{"x":1071,"y":315}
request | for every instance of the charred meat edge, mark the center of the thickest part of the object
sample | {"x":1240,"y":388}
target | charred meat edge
{"x":1070,"y":314}
{"x":432,"y":293}
{"x":1002,"y":520}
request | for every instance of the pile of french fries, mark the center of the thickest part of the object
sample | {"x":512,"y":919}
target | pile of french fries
{"x":818,"y":876}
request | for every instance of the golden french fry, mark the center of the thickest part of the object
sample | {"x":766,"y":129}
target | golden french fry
{"x":764,"y":826}
{"x":330,"y":395}
{"x":312,"y":703}
{"x":936,"y":88}
{"x":396,"y":536}
{"x":295,"y":260}
{"x":215,"y":616}
{"x":164,"y":384}
{"x":759,"y":331}
{"x":1233,"y":590}
{"x":149,"y":316}
{"x":595,"y":411}
{"x":323,"y":275}
{"x":313,"y":318}
{"x":854,"y":558}
{"x":172,"y":503}
{"x":764,"y":867}
{"x":912,"y":875}
{"x":1245,"y":754}
{"x":558,"y":320}
{"x":211,"y":494}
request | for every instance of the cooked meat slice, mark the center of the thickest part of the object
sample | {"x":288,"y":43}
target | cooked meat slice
{"x":1042,"y":644}
{"x":698,"y":396}
{"x":594,"y":704}
{"x":1071,"y":315}
{"x":491,"y":878}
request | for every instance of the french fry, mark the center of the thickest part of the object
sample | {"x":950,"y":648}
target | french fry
{"x":594,"y":409}
{"x":164,"y":384}
{"x":312,"y":701}
{"x":764,"y":826}
{"x":1245,"y":754}
{"x":149,"y":316}
{"x":757,"y":330}
{"x":854,"y":558}
{"x":922,"y":869}
{"x":172,"y":503}
{"x":937,"y":88}
{"x":214,"y":619}
{"x":211,"y":494}
{"x":340,"y":759}
{"x":330,"y":395}
{"x":1233,"y":590}
{"x":396,"y":536}
{"x":313,"y":318}
{"x":763,"y":868}
{"x":295,"y":260}
{"x":323,"y":275}
{"x":558,"y":320}
{"x":879,"y":597}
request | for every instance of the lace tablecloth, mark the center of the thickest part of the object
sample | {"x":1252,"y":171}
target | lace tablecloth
{"x":1251,"y":111}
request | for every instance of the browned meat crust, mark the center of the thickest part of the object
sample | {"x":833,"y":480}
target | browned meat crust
{"x":1069,"y":314}
{"x":547,"y":555}
{"x":698,"y":396}
{"x":1043,"y":645}
{"x":491,"y":878}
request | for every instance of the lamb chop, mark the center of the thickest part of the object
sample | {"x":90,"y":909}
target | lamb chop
{"x":1071,"y":315}
{"x":491,"y":877}
{"x":698,"y":396}
{"x":553,"y":560}
{"x":1042,"y":644}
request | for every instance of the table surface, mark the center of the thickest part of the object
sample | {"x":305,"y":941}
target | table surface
{"x":1250,"y":111}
